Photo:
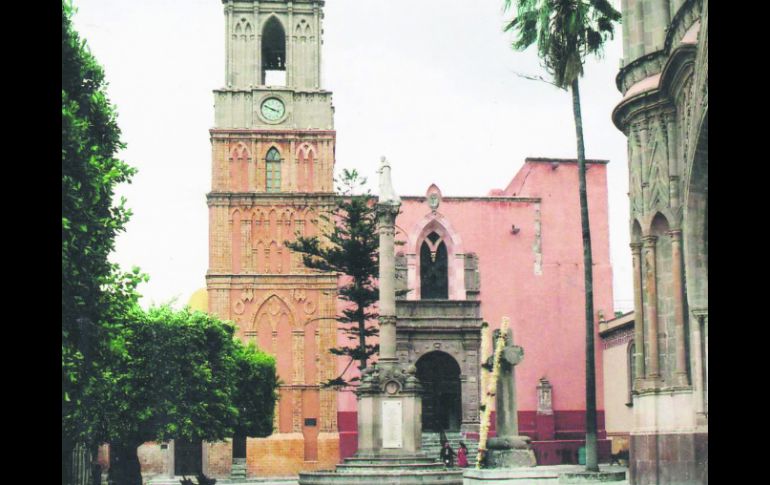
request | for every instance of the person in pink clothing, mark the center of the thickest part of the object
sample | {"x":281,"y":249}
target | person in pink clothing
{"x":462,"y":456}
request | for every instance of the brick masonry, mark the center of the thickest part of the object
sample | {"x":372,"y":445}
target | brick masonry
{"x":282,"y":454}
{"x":255,"y":206}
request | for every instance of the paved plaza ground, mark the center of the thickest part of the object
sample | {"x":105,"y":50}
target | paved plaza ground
{"x":537,"y":481}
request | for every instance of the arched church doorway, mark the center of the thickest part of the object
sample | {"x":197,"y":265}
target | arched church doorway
{"x":439,"y":375}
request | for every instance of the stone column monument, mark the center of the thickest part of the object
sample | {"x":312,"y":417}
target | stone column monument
{"x":389,"y":402}
{"x":508,"y":449}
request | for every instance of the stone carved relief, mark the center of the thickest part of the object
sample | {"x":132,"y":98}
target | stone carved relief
{"x":684,"y":112}
{"x":658,"y":174}
{"x":308,"y":306}
{"x":240,"y":304}
{"x":261,"y":237}
{"x":537,"y":244}
{"x":634,"y":173}
{"x":306,"y":159}
{"x":273,"y":310}
{"x":239,"y":152}
{"x":433,"y":197}
{"x":544,"y":397}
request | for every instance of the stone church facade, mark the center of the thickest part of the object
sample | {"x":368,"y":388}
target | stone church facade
{"x":664,"y":114}
{"x":516,"y":252}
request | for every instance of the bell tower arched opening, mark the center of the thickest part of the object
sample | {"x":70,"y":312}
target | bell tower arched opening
{"x":439,"y":374}
{"x":273,"y":53}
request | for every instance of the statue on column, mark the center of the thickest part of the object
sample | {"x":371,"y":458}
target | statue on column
{"x":508,"y":449}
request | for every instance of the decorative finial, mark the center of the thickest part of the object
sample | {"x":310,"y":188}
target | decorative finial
{"x":387,"y":194}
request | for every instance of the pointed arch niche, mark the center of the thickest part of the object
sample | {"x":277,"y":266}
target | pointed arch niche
{"x":434,"y":238}
{"x":273,"y":323}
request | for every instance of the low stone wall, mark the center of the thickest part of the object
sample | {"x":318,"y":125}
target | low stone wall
{"x":669,"y":458}
{"x":220,"y":458}
{"x":283,"y":454}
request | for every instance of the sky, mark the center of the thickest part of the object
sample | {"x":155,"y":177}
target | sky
{"x":431,"y":84}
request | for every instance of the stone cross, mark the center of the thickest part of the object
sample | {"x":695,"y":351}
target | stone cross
{"x":508,"y":448}
{"x":505,"y":399}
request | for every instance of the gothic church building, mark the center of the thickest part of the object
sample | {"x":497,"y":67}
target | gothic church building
{"x":516,"y":252}
{"x":664,"y":114}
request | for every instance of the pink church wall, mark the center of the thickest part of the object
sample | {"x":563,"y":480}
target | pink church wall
{"x":544,"y":301}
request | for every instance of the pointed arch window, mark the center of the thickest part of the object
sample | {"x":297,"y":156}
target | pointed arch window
{"x":273,"y":171}
{"x":434,"y":278}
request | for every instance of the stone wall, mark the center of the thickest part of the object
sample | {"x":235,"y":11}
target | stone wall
{"x":220,"y":458}
{"x":153,"y":458}
{"x":664,"y":114}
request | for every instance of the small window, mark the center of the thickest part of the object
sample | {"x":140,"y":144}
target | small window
{"x":273,"y":173}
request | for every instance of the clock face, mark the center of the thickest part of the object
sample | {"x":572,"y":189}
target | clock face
{"x":273,"y":109}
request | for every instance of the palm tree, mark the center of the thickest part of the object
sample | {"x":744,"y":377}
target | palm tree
{"x":565,"y":32}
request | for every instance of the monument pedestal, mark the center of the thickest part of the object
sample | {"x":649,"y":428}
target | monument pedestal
{"x":389,"y":412}
{"x":510,"y":458}
{"x":389,"y":436}
{"x":510,"y":452}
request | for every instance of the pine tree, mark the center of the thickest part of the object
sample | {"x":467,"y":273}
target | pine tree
{"x":350,"y":249}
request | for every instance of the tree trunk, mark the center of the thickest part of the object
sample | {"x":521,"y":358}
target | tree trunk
{"x":591,"y":443}
{"x":124,"y":466}
{"x":362,"y":342}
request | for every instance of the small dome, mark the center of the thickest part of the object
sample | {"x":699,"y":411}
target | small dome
{"x":199,"y":300}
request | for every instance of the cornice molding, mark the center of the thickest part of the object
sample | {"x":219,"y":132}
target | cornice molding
{"x":230,"y":199}
{"x":638,"y":69}
{"x":259,"y":133}
{"x":654,"y":62}
{"x":634,"y":106}
{"x":678,"y":68}
{"x":683,"y":19}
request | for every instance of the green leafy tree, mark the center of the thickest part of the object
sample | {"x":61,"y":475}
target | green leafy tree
{"x":350,"y":248}
{"x":565,"y":32}
{"x":130,"y":376}
{"x":255,"y":391}
{"x":91,"y":219}
{"x":180,"y":375}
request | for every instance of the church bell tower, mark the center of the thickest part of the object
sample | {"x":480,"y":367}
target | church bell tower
{"x":272,"y":174}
